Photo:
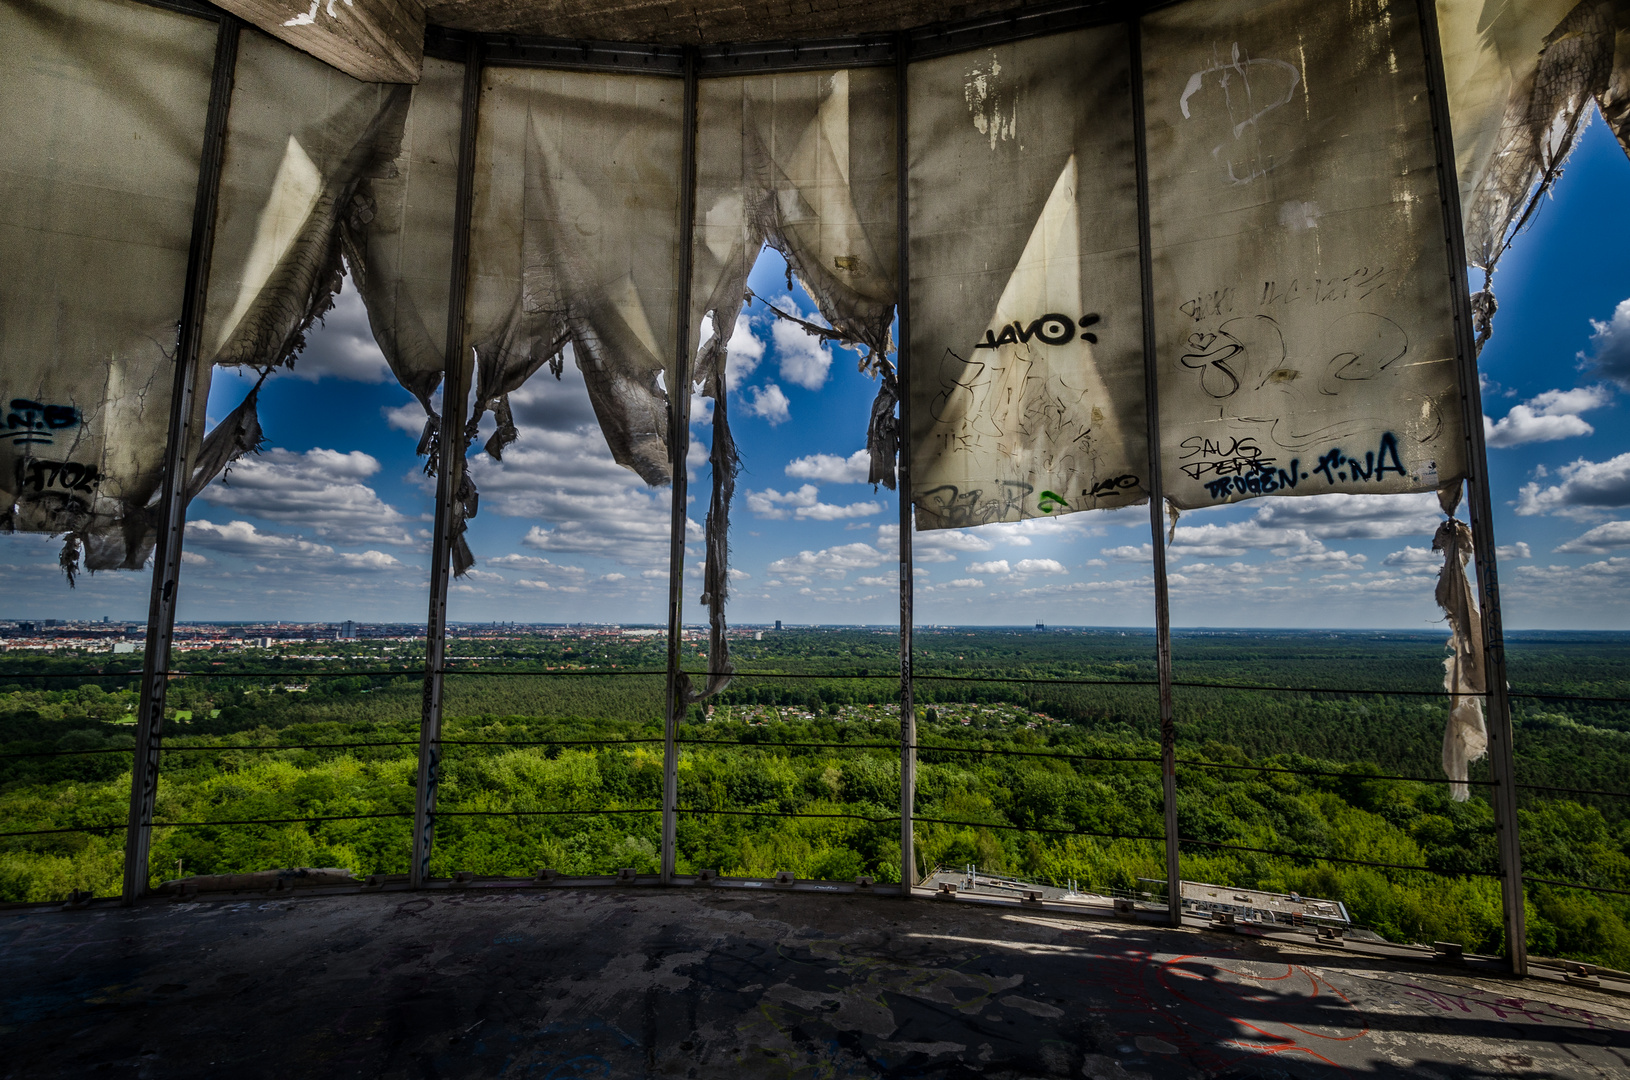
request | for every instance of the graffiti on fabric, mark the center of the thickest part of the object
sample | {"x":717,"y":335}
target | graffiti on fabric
{"x":1238,"y":466}
{"x":1050,"y":329}
{"x":34,"y":422}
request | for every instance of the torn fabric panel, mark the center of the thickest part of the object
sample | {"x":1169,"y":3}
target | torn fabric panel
{"x":100,"y":137}
{"x":1465,"y":738}
{"x":1304,"y":330}
{"x":574,"y":248}
{"x":1027,"y":337}
{"x":1521,"y":81}
{"x":303,"y":143}
{"x":797,"y":162}
{"x":398,"y":237}
{"x":575,"y":240}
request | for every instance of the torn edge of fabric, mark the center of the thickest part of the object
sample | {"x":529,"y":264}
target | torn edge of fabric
{"x":1465,"y":737}
{"x":883,"y":426}
{"x":129,"y":549}
{"x":1582,"y":62}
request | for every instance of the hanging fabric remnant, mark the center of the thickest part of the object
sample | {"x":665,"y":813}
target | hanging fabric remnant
{"x":1521,"y":81}
{"x":1304,"y":333}
{"x":100,"y":140}
{"x":799,"y":162}
{"x":575,"y":245}
{"x":1027,"y":325}
{"x":303,"y":141}
{"x":1465,"y":739}
{"x":322,"y":176}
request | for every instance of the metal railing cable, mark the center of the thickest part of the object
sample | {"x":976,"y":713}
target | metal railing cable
{"x":1044,"y":680}
{"x":1574,"y":885}
{"x":771,"y":745}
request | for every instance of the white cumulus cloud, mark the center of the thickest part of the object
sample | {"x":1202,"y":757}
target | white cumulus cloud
{"x":770,"y":403}
{"x":1587,"y":488}
{"x":832,"y":469}
{"x":320,"y":489}
{"x":1550,"y":416}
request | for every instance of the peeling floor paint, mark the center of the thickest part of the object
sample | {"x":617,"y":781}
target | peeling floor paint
{"x":691,"y":983}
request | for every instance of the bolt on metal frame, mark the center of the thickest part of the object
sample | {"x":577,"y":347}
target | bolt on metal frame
{"x":476,"y":50}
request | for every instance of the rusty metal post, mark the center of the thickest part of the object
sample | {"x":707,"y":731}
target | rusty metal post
{"x":1479,"y":507}
{"x":678,"y":450}
{"x":902,"y":375}
{"x":172,"y":509}
{"x":449,"y":473}
{"x":1157,"y":499}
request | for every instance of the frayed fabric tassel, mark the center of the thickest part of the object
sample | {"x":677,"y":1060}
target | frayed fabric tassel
{"x":1465,"y":738}
{"x":69,"y":558}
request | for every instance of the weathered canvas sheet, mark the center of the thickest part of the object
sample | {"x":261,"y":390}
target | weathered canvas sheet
{"x":1027,"y":332}
{"x":575,"y":240}
{"x":100,"y":136}
{"x":1302,"y":306}
{"x":401,"y":257}
{"x":1491,"y":51}
{"x":801,"y":162}
{"x":303,"y":143}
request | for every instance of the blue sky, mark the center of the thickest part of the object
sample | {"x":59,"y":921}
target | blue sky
{"x":332,"y":521}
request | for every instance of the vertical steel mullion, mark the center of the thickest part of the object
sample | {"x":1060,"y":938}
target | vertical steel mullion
{"x":902,"y":377}
{"x":172,"y":520}
{"x":456,"y":377}
{"x":1478,"y":505}
{"x":678,"y":450}
{"x":1156,"y":489}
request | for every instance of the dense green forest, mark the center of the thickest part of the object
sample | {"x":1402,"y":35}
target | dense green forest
{"x":591,"y":806}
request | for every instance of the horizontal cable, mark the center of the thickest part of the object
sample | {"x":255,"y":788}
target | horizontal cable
{"x":1037,"y":753}
{"x":70,"y":753}
{"x":889,"y":676}
{"x":75,"y":829}
{"x":1575,"y":885}
{"x":1037,"y":679}
{"x":1331,"y":858}
{"x":284,"y":821}
{"x":1034,"y":679}
{"x":1571,"y":697}
{"x":1338,"y":775}
{"x":1029,"y":828}
{"x":287,"y":746}
{"x":1573,"y":790}
{"x":573,"y":671}
{"x":537,"y":813}
{"x":774,"y":745}
{"x":778,"y":814}
{"x":545,"y":742}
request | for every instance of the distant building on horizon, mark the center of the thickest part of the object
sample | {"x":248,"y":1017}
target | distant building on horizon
{"x":778,"y":624}
{"x":348,"y":629}
{"x":1041,"y":626}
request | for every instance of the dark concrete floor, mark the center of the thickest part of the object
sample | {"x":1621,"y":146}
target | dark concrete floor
{"x":577,"y":983}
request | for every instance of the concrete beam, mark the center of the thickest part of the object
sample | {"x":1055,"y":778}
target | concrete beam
{"x":371,"y":40}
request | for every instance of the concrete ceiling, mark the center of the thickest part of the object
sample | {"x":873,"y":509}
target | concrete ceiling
{"x":700,"y":22}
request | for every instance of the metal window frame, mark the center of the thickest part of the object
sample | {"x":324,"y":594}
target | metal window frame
{"x":1479,"y":506}
{"x":691,"y":64}
{"x":902,"y":484}
{"x":1156,"y":485}
{"x":679,"y":396}
{"x":456,"y":377}
{"x":178,"y":454}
